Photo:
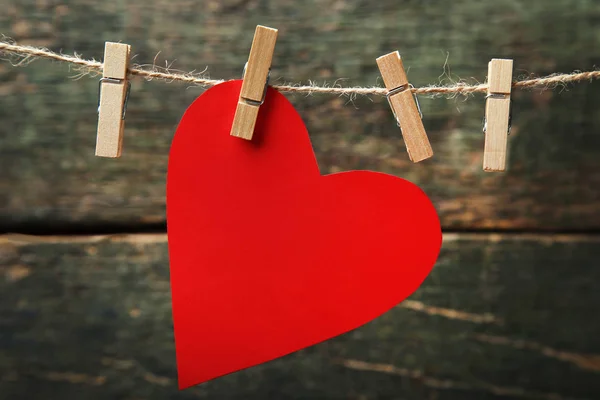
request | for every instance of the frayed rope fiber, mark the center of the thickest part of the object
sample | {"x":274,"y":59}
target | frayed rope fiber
{"x":26,"y":54}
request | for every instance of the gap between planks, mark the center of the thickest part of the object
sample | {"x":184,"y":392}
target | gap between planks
{"x":20,"y":239}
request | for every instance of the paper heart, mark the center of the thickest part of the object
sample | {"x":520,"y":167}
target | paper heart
{"x":267,"y":255}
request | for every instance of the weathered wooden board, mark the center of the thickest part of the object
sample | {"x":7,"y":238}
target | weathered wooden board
{"x":500,"y":317}
{"x":49,"y":174}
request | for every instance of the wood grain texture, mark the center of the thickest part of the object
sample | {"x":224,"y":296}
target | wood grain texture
{"x":109,"y":136}
{"x":404,"y":107}
{"x":413,"y":131}
{"x":255,"y":79}
{"x":497,"y":114}
{"x":116,"y":60}
{"x":500,"y":317}
{"x":244,"y":120}
{"x":500,"y":74}
{"x":259,"y":63}
{"x":50,"y":178}
{"x":392,"y":70}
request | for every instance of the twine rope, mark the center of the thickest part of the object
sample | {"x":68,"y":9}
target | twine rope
{"x":25,"y":54}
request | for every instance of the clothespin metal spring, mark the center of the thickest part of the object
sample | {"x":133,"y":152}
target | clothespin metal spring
{"x":398,"y":90}
{"x":510,"y":115}
{"x":113,"y":96}
{"x":115,"y":81}
{"x":258,"y":103}
{"x":498,"y":115}
{"x":255,"y":81}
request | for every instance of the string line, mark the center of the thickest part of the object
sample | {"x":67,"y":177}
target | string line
{"x":26,"y":54}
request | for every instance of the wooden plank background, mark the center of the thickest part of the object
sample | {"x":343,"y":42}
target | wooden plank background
{"x":501,"y":316}
{"x":511,"y":308}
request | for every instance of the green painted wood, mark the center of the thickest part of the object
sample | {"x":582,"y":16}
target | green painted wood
{"x":500,"y":317}
{"x":51,"y":179}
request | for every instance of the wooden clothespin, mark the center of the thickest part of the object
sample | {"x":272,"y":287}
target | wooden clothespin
{"x":405,"y":107}
{"x":497,"y":121}
{"x":256,"y":80}
{"x":113,"y":95}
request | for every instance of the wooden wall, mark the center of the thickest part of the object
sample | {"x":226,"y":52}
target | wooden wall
{"x":511,"y":308}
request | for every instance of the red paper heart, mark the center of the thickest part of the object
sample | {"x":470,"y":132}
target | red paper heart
{"x":267,"y":255}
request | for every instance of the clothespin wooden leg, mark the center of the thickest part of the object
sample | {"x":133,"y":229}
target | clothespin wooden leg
{"x":405,"y":107}
{"x":497,"y":114}
{"x":255,"y":83}
{"x":114,"y":90}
